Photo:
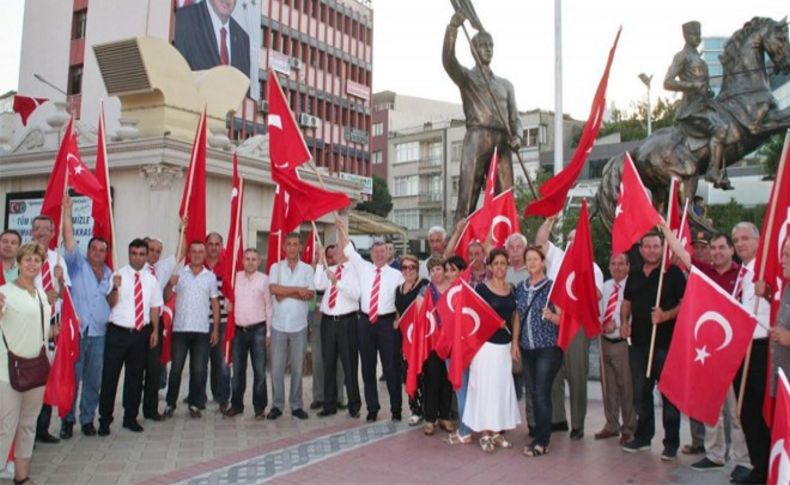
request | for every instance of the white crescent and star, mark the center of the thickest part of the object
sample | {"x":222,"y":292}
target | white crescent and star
{"x":234,"y":193}
{"x":569,"y":285}
{"x":275,"y":120}
{"x":711,"y":316}
{"x":778,"y":451}
{"x":451,"y":294}
{"x":500,"y":219}
{"x":475,"y":318}
{"x":410,"y":332}
{"x":432,"y":321}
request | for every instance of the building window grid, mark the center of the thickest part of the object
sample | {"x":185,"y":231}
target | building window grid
{"x":377,"y":157}
{"x":406,"y":186}
{"x":80,"y":24}
{"x":409,"y":218}
{"x":407,"y":152}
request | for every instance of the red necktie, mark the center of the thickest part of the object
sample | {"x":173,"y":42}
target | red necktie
{"x":46,"y":276}
{"x":333,"y":290}
{"x":611,"y":305}
{"x":223,"y":47}
{"x":738,"y":293}
{"x":373,"y":313}
{"x":153,"y":270}
{"x":139,"y":321}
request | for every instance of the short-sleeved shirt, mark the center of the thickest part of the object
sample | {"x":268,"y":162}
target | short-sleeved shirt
{"x":536,"y":331}
{"x":89,"y":294}
{"x":193,"y":300}
{"x":515,"y":276}
{"x":21,"y":324}
{"x":504,"y":306}
{"x":725,"y":280}
{"x":290,"y":314}
{"x":641,"y":291}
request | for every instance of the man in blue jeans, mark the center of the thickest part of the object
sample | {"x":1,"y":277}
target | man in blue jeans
{"x":253,"y":314}
{"x":90,"y":283}
{"x":638,"y":316}
{"x":196,"y":292}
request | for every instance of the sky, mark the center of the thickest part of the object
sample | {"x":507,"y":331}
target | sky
{"x":407,"y":43}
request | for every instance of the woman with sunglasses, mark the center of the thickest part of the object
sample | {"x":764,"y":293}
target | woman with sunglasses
{"x":404,"y":296}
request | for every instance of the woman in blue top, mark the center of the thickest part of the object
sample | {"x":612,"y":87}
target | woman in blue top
{"x":535,"y":345}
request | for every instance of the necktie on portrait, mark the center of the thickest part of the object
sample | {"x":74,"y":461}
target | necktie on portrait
{"x":139,"y":320}
{"x":333,"y":290}
{"x":611,"y":305}
{"x":373,"y":313}
{"x":224,"y":58}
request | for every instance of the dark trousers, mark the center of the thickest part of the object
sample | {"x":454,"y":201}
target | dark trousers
{"x":643,"y":399}
{"x":151,"y":377}
{"x":437,"y":390}
{"x":540,"y":368}
{"x":380,"y":338}
{"x":220,"y":372}
{"x":758,"y":436}
{"x":123,"y":348}
{"x":339,"y":339}
{"x":250,"y":342}
{"x":197,"y":344}
{"x":44,"y":418}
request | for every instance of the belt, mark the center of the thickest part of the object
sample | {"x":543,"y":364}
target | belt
{"x":763,"y":340}
{"x":381,"y":317}
{"x":339,"y":317}
{"x":125,"y":329}
{"x":614,"y":340}
{"x":251,"y":328}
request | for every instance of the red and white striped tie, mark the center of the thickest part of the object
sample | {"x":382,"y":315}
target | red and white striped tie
{"x":153,"y":270}
{"x":611,"y":305}
{"x":373,"y":313}
{"x":46,"y":276}
{"x":738,"y":293}
{"x":333,"y":290}
{"x":139,"y":321}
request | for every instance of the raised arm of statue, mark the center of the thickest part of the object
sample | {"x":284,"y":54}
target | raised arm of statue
{"x":454,"y":69}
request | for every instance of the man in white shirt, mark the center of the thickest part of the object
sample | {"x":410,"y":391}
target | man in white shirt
{"x":339,"y":314}
{"x":437,"y":243}
{"x":195,"y":288}
{"x":618,"y":392}
{"x":375,"y":331}
{"x":515,"y":245}
{"x":291,"y":286}
{"x":135,"y":301}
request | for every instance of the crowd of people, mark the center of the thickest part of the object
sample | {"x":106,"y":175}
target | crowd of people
{"x":356,"y":324}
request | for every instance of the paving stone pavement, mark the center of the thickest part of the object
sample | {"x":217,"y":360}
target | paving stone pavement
{"x":339,"y":449}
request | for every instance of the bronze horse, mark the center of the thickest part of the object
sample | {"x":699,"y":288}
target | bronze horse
{"x":746,"y":105}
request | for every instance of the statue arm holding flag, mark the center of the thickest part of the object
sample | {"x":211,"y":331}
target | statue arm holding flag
{"x":455,"y":70}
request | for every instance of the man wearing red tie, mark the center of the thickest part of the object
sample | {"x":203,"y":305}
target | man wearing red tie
{"x":135,"y":301}
{"x":618,"y":392}
{"x":375,"y":330}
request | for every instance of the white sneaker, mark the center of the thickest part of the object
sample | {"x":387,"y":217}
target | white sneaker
{"x":8,"y":472}
{"x":414,"y":420}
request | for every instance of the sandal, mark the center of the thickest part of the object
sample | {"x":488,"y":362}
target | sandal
{"x":693,"y":449}
{"x":536,"y":450}
{"x":22,"y":481}
{"x":457,"y":439}
{"x":429,"y":429}
{"x":487,"y":444}
{"x":500,"y":441}
{"x":447,"y":425}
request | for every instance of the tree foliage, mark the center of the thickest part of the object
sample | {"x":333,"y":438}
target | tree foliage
{"x":769,"y":154}
{"x":380,"y":202}
{"x":632,"y":123}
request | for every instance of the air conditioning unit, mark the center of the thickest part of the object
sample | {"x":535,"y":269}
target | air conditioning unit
{"x":296,"y":64}
{"x":264,"y":107}
{"x":308,"y":121}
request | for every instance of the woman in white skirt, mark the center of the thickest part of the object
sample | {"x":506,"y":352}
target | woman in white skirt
{"x":491,"y":405}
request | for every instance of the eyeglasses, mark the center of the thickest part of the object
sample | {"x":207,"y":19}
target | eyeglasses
{"x":409,"y":267}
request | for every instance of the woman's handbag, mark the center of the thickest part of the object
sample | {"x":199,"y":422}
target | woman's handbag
{"x":25,"y":374}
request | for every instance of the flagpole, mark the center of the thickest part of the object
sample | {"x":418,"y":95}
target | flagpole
{"x":234,"y":257}
{"x":602,"y":364}
{"x":107,"y":180}
{"x":657,"y":305}
{"x":190,"y":178}
{"x":761,"y":270}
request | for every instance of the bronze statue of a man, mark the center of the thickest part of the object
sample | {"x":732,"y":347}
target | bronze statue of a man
{"x":491,"y":121}
{"x":696,"y":114}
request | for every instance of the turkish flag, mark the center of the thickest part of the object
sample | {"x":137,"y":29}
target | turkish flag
{"x":62,"y":380}
{"x":574,"y":290}
{"x":491,"y":179}
{"x":102,"y":213}
{"x":69,"y":170}
{"x":168,"y":311}
{"x":233,"y":254}
{"x":498,"y":217}
{"x":25,"y":105}
{"x":554,"y":191}
{"x":287,"y":149}
{"x":635,"y":215}
{"x":418,"y":324}
{"x":308,"y":253}
{"x":679,"y":225}
{"x":306,"y":202}
{"x":712,"y":332}
{"x":193,"y":198}
{"x":276,"y":249}
{"x":779,"y":460}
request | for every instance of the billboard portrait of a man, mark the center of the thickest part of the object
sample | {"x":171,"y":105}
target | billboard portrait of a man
{"x":207,"y":36}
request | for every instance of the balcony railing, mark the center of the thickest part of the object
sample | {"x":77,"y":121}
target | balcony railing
{"x":430,"y":198}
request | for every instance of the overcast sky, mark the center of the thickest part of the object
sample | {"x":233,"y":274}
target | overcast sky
{"x":408,"y":39}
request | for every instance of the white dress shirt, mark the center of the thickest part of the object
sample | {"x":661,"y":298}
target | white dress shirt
{"x":217,"y":24}
{"x":390,"y":280}
{"x":747,"y":300}
{"x":122,"y":314}
{"x":608,"y":288}
{"x":347,"y":289}
{"x":193,"y":300}
{"x":554,"y":261}
{"x":290,"y":314}
{"x":164,"y":270}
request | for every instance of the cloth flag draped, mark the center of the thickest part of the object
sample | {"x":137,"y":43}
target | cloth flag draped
{"x":555,"y":190}
{"x":417,"y":339}
{"x":498,"y":219}
{"x":69,"y":170}
{"x":25,"y":105}
{"x":193,"y":198}
{"x":102,"y":213}
{"x":62,"y":380}
{"x":308,"y":253}
{"x":678,"y":224}
{"x":276,"y":249}
{"x":779,"y":459}
{"x":712,"y":332}
{"x":234,"y":253}
{"x":635,"y":215}
{"x":168,"y":310}
{"x":287,"y":148}
{"x":574,"y":290}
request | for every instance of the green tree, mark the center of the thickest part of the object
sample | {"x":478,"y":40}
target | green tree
{"x":380,"y":202}
{"x":769,"y":154}
{"x":632,"y":124}
{"x":725,"y":216}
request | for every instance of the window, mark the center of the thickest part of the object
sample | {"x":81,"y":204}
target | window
{"x":407,"y":152}
{"x":75,"y":80}
{"x":454,"y":186}
{"x":376,"y":157}
{"x":456,"y":148}
{"x":80,"y":23}
{"x":433,"y":218}
{"x":378,"y":128}
{"x":406,"y":186}
{"x":531,"y":137}
{"x":431,"y":187}
{"x":433,"y":152}
{"x":409,"y":218}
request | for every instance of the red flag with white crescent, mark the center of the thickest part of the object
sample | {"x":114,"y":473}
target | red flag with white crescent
{"x":779,"y":458}
{"x":102,"y":213}
{"x":233,"y":255}
{"x":62,"y":380}
{"x":168,"y":311}
{"x":193,"y":198}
